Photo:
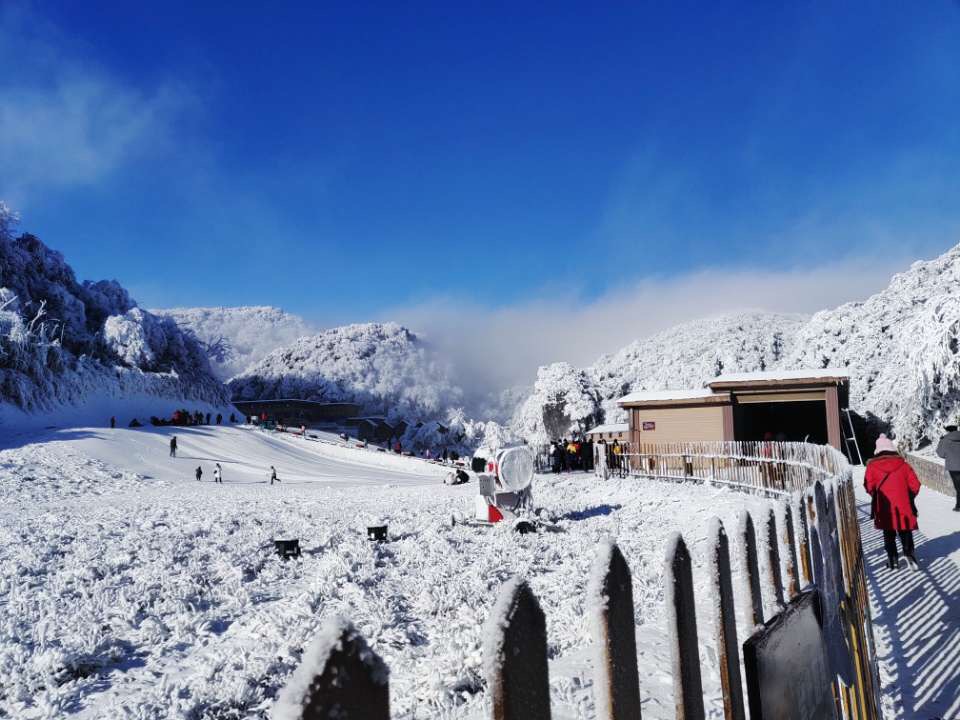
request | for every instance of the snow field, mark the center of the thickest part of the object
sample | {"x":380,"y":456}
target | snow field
{"x":143,"y":594}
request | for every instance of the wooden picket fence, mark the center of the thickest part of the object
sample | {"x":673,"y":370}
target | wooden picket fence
{"x":813,"y":542}
{"x":774,"y":468}
{"x":932,"y":474}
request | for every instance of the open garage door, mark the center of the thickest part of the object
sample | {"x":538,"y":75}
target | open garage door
{"x":794,"y":421}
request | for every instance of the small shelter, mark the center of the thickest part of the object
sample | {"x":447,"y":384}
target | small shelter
{"x":610,"y":432}
{"x":794,"y":406}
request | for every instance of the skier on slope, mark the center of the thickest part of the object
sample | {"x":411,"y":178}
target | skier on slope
{"x":173,"y":446}
{"x":949,"y":449}
{"x":892,"y":486}
{"x":218,"y":474}
{"x":199,"y":473}
{"x":273,"y":475}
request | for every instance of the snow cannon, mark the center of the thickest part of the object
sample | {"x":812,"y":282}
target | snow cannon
{"x":506,"y":489}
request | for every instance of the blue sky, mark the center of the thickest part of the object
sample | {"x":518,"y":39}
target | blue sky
{"x":351,"y":161}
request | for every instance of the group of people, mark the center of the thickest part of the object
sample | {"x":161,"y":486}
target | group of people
{"x":218,"y":470}
{"x":893,"y":487}
{"x":574,"y":454}
{"x":180,"y":417}
{"x":217,"y":473}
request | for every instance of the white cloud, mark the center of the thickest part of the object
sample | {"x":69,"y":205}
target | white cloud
{"x":495,"y":348}
{"x":64,"y":121}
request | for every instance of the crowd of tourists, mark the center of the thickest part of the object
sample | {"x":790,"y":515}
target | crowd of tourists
{"x":582,"y":454}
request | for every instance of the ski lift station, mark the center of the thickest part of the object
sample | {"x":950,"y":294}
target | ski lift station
{"x":791,"y":406}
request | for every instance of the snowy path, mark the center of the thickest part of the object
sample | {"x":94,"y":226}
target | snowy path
{"x":916,"y":615}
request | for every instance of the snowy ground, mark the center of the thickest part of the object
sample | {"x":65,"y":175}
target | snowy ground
{"x":129,"y":590}
{"x":916,"y":615}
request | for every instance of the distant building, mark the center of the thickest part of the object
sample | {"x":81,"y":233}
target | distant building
{"x":610,"y":432}
{"x":793,"y":406}
{"x":372,"y":429}
{"x":299,"y":412}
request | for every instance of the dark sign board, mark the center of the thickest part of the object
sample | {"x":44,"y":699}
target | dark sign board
{"x":787,"y":665}
{"x":649,"y":425}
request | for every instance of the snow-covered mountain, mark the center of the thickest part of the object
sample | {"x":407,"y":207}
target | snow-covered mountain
{"x":63,"y":342}
{"x":237,"y":337}
{"x":382,"y":366}
{"x":900,"y":346}
{"x":565,"y":398}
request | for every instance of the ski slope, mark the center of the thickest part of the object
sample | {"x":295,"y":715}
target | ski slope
{"x":129,"y":590}
{"x":245,"y":453}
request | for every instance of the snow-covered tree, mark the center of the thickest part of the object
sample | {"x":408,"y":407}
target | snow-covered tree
{"x":62,"y":341}
{"x":564,"y":400}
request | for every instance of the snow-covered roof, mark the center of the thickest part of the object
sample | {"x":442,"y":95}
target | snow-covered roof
{"x":781,"y":376}
{"x":666,"y":395}
{"x":609,"y":428}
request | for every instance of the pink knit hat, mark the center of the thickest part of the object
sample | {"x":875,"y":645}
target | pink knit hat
{"x":884,"y":444}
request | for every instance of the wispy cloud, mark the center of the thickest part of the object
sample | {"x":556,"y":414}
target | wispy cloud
{"x":495,"y":348}
{"x":65,"y":121}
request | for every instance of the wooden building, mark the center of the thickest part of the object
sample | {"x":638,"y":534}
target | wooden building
{"x":374,"y":429}
{"x":792,"y":406}
{"x":299,"y":412}
{"x":610,"y":432}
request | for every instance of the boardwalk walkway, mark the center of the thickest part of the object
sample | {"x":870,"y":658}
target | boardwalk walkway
{"x":916,"y":614}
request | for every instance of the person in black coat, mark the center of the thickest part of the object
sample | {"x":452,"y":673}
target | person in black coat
{"x":173,"y":446}
{"x":198,"y":473}
{"x":949,"y":449}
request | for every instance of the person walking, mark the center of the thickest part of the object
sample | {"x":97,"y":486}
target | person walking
{"x":113,"y":422}
{"x":219,"y":418}
{"x":199,"y":473}
{"x":273,"y":475}
{"x":892,"y":485}
{"x":949,"y":449}
{"x":173,"y":446}
{"x":218,"y":474}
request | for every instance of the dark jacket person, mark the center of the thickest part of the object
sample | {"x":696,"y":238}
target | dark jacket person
{"x":949,"y":450}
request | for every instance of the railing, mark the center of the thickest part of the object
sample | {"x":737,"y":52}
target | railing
{"x":811,"y":544}
{"x":932,"y":474}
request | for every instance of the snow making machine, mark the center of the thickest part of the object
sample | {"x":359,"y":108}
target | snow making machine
{"x":505,"y":489}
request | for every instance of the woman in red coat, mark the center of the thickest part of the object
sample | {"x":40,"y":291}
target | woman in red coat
{"x":893,"y":485}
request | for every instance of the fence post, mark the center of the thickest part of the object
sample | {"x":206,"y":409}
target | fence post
{"x":682,"y":628}
{"x":773,"y":560}
{"x":806,"y":573}
{"x":750,"y":573}
{"x":338,"y":676}
{"x":725,"y":622}
{"x":789,"y":540}
{"x":610,"y":604}
{"x":515,"y":655}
